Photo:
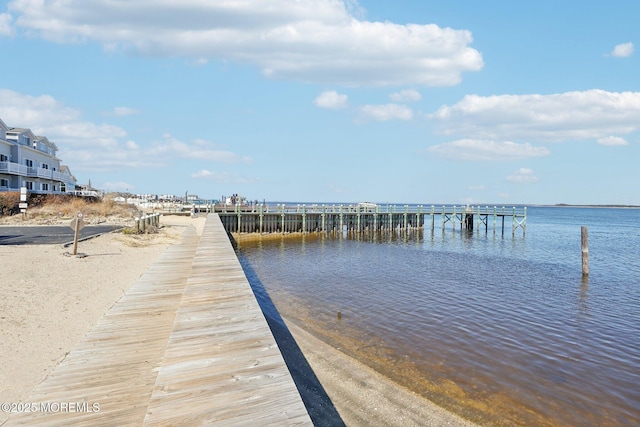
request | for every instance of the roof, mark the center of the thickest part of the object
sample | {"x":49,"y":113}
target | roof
{"x":46,"y":141}
{"x":18,"y":131}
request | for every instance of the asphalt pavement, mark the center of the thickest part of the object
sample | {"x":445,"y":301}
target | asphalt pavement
{"x":48,"y":234}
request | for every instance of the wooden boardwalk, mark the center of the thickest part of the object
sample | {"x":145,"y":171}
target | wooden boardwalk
{"x":186,"y":345}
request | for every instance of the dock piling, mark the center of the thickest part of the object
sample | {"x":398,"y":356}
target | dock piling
{"x":352,"y":218}
{"x":585,"y":250}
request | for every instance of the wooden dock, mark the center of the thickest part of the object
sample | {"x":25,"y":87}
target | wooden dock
{"x":186,"y":345}
{"x":357,"y":218}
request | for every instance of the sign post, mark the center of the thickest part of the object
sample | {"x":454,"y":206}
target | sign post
{"x":76,"y":224}
{"x":23,"y":202}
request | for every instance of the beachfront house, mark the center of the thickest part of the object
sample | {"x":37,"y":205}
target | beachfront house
{"x":69,"y":182}
{"x":5,"y":152}
{"x":30,"y":161}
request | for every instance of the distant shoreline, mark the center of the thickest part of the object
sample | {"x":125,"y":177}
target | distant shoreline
{"x":565,"y":205}
{"x":538,"y":205}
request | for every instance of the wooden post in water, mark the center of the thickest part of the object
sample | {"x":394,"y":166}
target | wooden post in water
{"x":304,"y":218}
{"x":404,"y":217}
{"x":453,"y":219}
{"x":468,"y":218}
{"x":433,"y":218}
{"x":585,"y":251}
{"x":486,"y":219}
{"x":375,"y":218}
{"x":495,"y":215}
{"x":282,"y":219}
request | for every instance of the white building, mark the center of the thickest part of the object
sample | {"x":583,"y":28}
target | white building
{"x":28,"y":160}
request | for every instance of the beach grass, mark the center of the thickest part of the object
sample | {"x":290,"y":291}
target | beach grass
{"x":51,"y":209}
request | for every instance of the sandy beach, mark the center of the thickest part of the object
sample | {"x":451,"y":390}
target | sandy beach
{"x":50,"y":300}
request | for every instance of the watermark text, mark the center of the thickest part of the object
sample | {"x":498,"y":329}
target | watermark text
{"x":52,"y":407}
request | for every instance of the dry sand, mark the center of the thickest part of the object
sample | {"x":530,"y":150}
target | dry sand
{"x":49,"y":301}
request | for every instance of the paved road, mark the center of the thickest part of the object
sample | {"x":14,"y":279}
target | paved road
{"x":48,"y":234}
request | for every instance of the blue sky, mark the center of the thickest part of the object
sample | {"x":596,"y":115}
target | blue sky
{"x":494,"y":102}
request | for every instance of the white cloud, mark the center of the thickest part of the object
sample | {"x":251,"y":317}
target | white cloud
{"x":623,"y":50}
{"x":565,"y":116}
{"x":383,"y":113}
{"x":482,"y":150}
{"x":87,"y":146}
{"x":321,"y":41}
{"x":44,"y":115}
{"x":131,"y":145}
{"x":198,"y":62}
{"x":331,"y":99}
{"x":612,"y":140}
{"x":6,"y":29}
{"x":199,"y":149}
{"x":406,"y":95}
{"x":118,"y":186}
{"x":522,"y":176}
{"x":354,"y":8}
{"x":467,"y":200}
{"x":222,"y":177}
{"x":125,"y":111}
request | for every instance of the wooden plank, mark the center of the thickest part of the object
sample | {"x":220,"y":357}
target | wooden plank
{"x":186,"y":345}
{"x":222,"y":365}
{"x":115,"y":365}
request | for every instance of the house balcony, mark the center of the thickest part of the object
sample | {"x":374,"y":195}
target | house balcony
{"x":13,"y":168}
{"x":22,"y":170}
{"x":17,"y":190}
{"x":45,"y":173}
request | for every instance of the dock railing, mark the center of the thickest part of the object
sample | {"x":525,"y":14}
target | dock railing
{"x":283,"y":218}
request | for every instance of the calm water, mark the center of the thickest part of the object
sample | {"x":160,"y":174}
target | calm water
{"x":503,"y":330}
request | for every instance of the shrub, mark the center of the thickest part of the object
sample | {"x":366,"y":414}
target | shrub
{"x":59,"y":206}
{"x":9,"y":203}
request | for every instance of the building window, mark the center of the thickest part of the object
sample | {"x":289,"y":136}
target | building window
{"x":45,"y":187}
{"x":3,"y":158}
{"x":4,"y":183}
{"x":28,"y":162}
{"x":29,"y":185}
{"x":45,"y":166}
{"x":54,"y":187}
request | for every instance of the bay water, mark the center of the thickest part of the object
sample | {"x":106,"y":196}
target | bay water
{"x":502,"y":329}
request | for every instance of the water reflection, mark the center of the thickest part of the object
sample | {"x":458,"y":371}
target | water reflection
{"x":499,"y":328}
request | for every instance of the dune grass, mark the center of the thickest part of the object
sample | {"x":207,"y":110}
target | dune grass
{"x":57,"y":207}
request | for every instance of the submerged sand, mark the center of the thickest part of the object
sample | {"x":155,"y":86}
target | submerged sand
{"x":49,"y":301}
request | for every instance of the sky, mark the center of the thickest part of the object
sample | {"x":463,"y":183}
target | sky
{"x":331,"y":101}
